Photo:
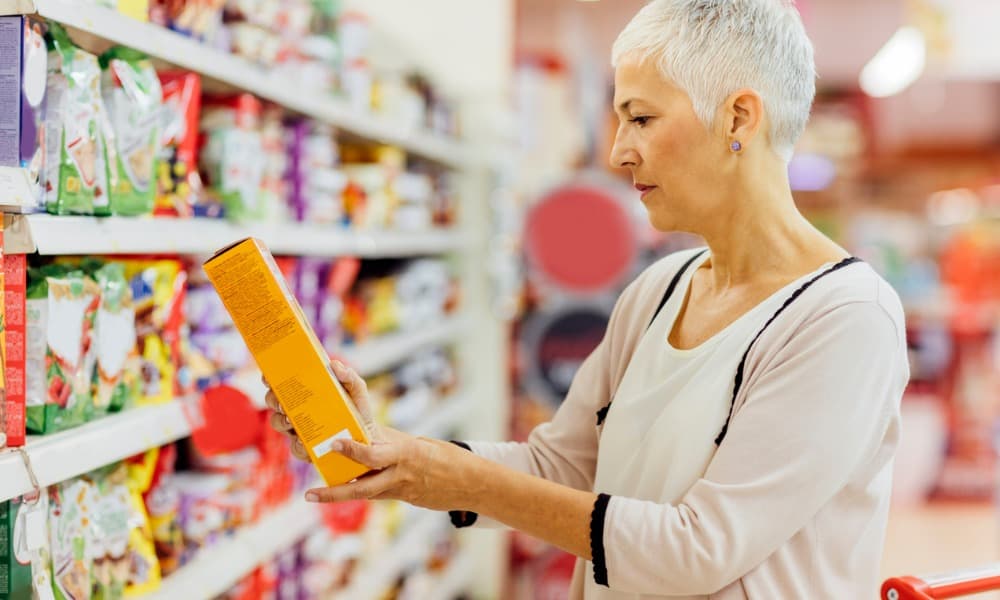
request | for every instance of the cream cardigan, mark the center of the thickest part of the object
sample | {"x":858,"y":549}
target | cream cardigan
{"x":794,"y":502}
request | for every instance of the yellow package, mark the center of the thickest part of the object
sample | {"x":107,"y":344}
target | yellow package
{"x":144,"y":568}
{"x":289,"y":355}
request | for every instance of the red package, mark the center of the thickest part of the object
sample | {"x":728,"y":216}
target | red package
{"x":14,"y":282}
{"x":179,"y":187}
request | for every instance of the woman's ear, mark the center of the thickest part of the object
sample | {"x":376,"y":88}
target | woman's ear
{"x":743,"y":114}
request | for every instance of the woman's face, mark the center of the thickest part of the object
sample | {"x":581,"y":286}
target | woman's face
{"x":677,"y":165}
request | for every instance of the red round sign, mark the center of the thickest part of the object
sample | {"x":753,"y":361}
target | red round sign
{"x":581,"y":239}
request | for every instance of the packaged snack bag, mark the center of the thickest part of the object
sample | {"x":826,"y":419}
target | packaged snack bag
{"x":116,"y":375}
{"x":178,"y":183}
{"x":157,"y":291}
{"x":163,"y":503}
{"x":133,"y":100}
{"x":232,"y":159}
{"x":107,"y":542}
{"x":143,"y":573}
{"x":71,"y":509}
{"x":75,"y":176}
{"x":15,"y":289}
{"x":25,"y":560}
{"x":22,"y":102}
{"x":61,"y":310}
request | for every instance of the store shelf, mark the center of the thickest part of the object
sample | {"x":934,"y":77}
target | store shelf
{"x":386,"y":351}
{"x":218,"y":568}
{"x":64,"y":455}
{"x":443,"y":419}
{"x":455,"y":579}
{"x":53,"y":235}
{"x":107,"y":25}
{"x":411,"y":547}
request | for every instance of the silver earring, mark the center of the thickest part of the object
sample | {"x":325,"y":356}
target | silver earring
{"x":736,"y":146}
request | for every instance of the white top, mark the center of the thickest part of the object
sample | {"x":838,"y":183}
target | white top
{"x":795,"y":500}
{"x":659,"y":435}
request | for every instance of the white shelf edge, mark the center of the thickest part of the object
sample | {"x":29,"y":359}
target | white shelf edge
{"x":241,"y":73}
{"x":456,"y":577}
{"x":66,"y":235}
{"x":218,"y":568}
{"x":375,"y":577}
{"x":71,"y":453}
{"x":384,"y":352}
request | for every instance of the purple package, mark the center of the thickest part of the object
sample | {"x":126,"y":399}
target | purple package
{"x":310,"y":275}
{"x":288,"y":575}
{"x":225,"y":349}
{"x":205,"y":311}
{"x":23,"y":65}
{"x":297,"y":134}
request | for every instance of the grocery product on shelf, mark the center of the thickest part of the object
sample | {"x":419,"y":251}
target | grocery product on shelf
{"x":232,"y":158}
{"x":71,"y":507}
{"x":144,"y":571}
{"x":61,"y":308}
{"x":289,"y":355}
{"x":21,"y":106}
{"x":75,"y":176}
{"x":158,"y":289}
{"x":133,"y":100}
{"x":25,"y":561}
{"x":178,"y":183}
{"x":14,"y":348}
{"x":117,"y":375}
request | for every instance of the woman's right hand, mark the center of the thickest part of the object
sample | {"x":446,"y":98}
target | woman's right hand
{"x":356,"y":388}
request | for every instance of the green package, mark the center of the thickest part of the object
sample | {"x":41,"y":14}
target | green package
{"x":71,"y":509}
{"x":76,"y":178}
{"x":15,"y":566}
{"x":116,"y":376}
{"x":133,"y":100}
{"x":108,"y":535}
{"x":61,"y":311}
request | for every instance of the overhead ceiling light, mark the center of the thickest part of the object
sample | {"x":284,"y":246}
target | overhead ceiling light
{"x":896,"y":65}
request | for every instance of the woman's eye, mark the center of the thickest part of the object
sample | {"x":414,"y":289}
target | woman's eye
{"x":640,"y":121}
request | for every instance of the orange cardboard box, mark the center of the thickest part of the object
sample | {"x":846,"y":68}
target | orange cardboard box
{"x":289,"y":354}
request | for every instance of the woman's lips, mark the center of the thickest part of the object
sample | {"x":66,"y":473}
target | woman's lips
{"x":644,"y":189}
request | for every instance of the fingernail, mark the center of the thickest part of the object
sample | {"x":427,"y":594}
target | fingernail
{"x":337,"y":446}
{"x":312,"y":497}
{"x":287,"y":422}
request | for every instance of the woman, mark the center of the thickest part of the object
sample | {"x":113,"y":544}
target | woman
{"x":732,"y":435}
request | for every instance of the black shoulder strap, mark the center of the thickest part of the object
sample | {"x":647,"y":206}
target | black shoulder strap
{"x":603,"y":413}
{"x":738,"y":382}
{"x":673,"y":285}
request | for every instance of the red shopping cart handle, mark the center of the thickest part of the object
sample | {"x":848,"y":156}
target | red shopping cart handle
{"x":952,"y":585}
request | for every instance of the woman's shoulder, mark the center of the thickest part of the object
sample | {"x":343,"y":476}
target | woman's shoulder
{"x":846,"y":292}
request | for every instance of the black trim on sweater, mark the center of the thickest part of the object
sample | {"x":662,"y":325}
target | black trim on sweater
{"x":738,"y":382}
{"x":597,"y":517}
{"x":462,"y":518}
{"x":603,"y":413}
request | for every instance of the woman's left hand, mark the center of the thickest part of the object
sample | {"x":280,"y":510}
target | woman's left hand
{"x":427,"y":473}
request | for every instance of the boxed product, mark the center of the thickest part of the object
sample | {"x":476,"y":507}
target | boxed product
{"x":288,"y":353}
{"x":14,"y":336}
{"x":61,"y":308}
{"x":178,"y":184}
{"x":21,"y":105}
{"x":75,"y":175}
{"x":133,"y":100}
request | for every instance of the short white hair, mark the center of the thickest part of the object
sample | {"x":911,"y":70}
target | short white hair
{"x":712,"y":48}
